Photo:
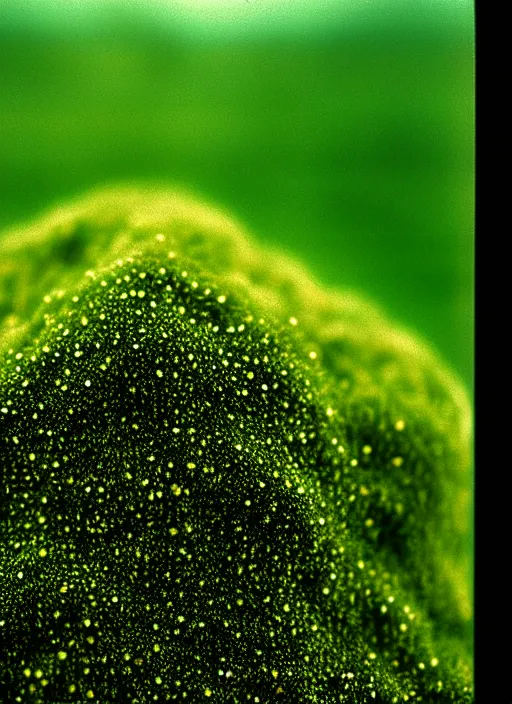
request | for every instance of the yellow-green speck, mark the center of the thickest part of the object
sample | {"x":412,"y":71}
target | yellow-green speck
{"x":218,"y":479}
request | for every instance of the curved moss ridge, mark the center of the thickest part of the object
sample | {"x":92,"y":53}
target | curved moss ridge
{"x":219,"y":481}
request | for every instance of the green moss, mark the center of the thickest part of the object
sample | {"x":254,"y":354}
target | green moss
{"x":220,"y":482}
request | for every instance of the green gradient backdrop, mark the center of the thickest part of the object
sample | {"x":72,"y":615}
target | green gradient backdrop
{"x":341,"y":132}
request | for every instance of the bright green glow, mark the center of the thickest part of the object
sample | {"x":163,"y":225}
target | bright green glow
{"x":240,"y":18}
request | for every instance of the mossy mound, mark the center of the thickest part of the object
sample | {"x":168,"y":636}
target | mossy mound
{"x":219,"y":482}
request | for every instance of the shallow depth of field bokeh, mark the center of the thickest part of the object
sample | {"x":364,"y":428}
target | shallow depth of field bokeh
{"x":342,"y":132}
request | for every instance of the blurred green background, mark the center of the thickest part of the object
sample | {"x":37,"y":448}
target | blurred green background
{"x":341,"y":131}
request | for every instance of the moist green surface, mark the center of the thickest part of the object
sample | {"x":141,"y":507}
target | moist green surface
{"x":219,"y":481}
{"x":351,"y":149}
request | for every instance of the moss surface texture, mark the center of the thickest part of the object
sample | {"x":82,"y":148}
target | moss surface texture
{"x":220,"y":482}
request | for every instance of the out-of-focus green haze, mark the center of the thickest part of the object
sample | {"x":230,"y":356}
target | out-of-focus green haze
{"x":345,"y":137}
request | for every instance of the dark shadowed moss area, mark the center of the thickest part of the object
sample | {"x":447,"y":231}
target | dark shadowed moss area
{"x":219,"y":481}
